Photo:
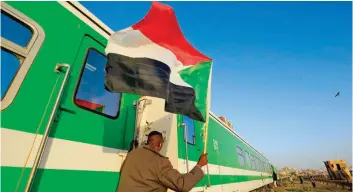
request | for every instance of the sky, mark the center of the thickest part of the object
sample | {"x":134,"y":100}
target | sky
{"x":276,"y":69}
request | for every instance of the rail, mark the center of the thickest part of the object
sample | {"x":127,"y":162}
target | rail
{"x":45,"y":137}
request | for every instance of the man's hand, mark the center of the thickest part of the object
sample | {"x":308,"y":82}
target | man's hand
{"x":202,"y":160}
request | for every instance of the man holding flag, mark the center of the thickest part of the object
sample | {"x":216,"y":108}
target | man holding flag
{"x":145,"y":169}
{"x":153,"y":58}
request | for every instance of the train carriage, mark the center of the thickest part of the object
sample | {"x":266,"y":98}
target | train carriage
{"x":62,"y":131}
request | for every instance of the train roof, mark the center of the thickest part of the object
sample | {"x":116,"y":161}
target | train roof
{"x":85,"y":15}
{"x":81,"y":12}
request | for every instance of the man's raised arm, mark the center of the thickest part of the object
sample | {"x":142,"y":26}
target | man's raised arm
{"x":172,"y":179}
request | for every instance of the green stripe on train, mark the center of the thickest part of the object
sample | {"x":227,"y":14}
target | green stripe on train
{"x":83,"y":180}
{"x":55,"y":180}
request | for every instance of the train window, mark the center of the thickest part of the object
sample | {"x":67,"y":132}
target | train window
{"x":261,"y":165}
{"x":21,"y":40}
{"x":10,"y":63}
{"x":258,"y":164}
{"x":240,"y":157}
{"x":15,"y":31}
{"x":248,"y":162}
{"x":190,"y":130}
{"x":253,"y":162}
{"x":91,"y":94}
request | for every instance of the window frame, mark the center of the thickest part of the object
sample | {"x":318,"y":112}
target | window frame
{"x":242,"y":154}
{"x":193,"y":122}
{"x":79,"y":82}
{"x":28,"y":53}
{"x":247,"y":159}
{"x":259,"y":164}
{"x":262,"y":165}
{"x":253,"y":159}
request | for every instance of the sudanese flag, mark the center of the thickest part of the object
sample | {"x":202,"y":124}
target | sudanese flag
{"x":153,"y":58}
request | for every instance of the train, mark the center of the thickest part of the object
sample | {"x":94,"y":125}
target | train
{"x":62,"y":131}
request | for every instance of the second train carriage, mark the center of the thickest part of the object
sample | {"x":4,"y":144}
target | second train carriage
{"x":61,"y":131}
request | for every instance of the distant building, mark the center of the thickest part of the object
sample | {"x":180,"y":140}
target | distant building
{"x":286,"y":171}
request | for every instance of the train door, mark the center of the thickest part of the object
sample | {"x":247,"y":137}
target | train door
{"x":274,"y":175}
{"x":88,"y":136}
{"x":190,"y":144}
{"x":187,"y":138}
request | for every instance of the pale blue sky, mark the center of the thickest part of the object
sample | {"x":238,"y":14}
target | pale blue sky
{"x":277,"y":67}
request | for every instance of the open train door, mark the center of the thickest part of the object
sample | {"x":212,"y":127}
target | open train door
{"x":274,"y":175}
{"x":190,"y":144}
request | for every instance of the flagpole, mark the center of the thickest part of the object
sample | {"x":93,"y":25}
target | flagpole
{"x":208,"y":101}
{"x":206,"y":123}
{"x":205,"y":150}
{"x":205,"y":136}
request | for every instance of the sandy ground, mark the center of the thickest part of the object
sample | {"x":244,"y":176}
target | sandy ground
{"x":308,"y":187}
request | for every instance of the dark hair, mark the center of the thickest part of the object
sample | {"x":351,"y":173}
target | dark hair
{"x":152,"y":133}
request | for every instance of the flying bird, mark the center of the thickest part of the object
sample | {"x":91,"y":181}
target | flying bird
{"x":338,"y":93}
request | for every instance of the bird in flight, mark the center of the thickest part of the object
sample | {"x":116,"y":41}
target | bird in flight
{"x":338,"y":93}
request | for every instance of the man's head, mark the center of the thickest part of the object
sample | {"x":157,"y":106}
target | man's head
{"x":155,"y":140}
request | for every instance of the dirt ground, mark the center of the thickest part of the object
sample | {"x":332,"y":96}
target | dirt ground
{"x":307,"y":187}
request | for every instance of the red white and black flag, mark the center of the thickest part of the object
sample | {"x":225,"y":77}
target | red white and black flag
{"x":153,"y":58}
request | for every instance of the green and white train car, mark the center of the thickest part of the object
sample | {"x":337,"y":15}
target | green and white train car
{"x":62,"y":131}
